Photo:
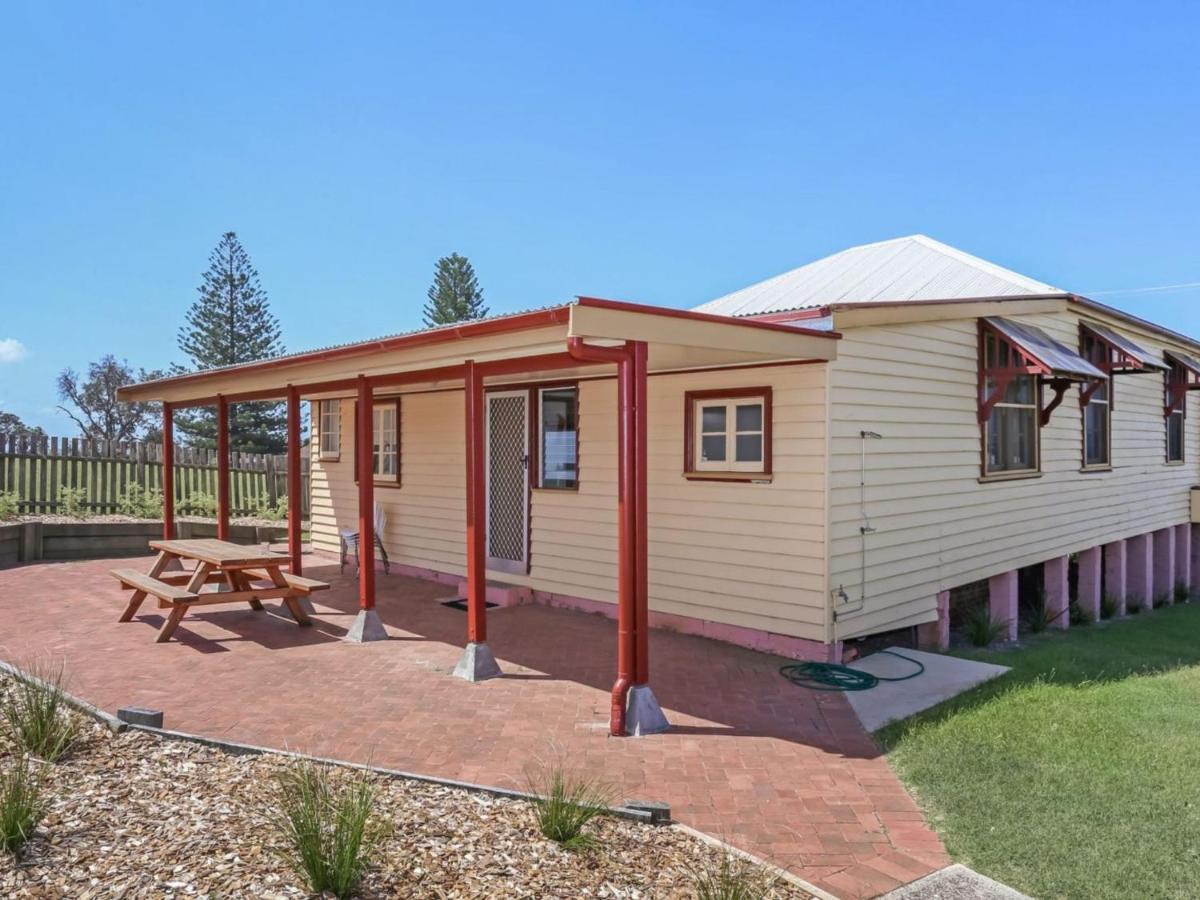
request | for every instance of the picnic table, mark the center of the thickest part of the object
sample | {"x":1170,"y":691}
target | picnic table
{"x":243,"y":574}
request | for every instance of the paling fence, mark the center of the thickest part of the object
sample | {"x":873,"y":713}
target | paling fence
{"x":98,"y":474}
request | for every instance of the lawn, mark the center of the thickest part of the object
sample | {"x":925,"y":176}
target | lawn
{"x":1077,"y":774}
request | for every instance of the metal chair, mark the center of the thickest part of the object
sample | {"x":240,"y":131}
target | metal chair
{"x":350,"y":539}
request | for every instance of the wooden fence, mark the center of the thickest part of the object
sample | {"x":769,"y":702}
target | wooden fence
{"x":97,"y":475}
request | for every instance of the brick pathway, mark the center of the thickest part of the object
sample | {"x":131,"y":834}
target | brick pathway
{"x":780,"y":771}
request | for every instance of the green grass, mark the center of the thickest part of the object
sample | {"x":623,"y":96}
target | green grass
{"x":1077,"y":774}
{"x":564,"y":802}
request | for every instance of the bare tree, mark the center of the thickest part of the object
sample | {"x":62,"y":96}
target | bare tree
{"x":94,"y":406}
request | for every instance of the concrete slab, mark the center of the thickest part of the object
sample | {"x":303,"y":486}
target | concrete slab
{"x":955,"y":883}
{"x":944,"y":677}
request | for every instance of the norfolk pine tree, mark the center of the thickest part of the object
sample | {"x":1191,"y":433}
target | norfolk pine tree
{"x":455,"y":295}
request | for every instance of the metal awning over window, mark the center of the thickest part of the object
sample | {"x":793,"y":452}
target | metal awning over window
{"x":1125,"y":357}
{"x":1183,"y":375}
{"x":1027,"y":350}
{"x":1185,"y":361}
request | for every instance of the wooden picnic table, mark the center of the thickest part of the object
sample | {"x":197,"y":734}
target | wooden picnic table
{"x":236,"y":567}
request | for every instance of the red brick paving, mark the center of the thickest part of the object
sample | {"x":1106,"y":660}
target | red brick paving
{"x":785,"y":773}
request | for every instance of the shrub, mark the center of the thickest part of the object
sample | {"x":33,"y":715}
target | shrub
{"x":1108,"y":606}
{"x":1077,"y":615}
{"x":1182,"y":592}
{"x":1133,"y":604}
{"x":979,"y":627}
{"x":327,"y":821}
{"x":34,"y":713}
{"x":1160,"y":599}
{"x":200,"y":504}
{"x":10,"y":506}
{"x":263,"y":509}
{"x":728,"y":876}
{"x":21,"y":803}
{"x":141,"y":503}
{"x":72,"y":501}
{"x":564,"y":803}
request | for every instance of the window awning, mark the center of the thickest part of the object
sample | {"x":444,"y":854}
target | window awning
{"x":1058,"y":361}
{"x":1184,"y":360}
{"x":1129,"y":357}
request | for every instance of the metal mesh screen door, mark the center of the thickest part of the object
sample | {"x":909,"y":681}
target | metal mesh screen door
{"x":507,"y":480}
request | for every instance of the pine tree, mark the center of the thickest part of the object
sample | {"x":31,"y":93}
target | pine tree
{"x":455,"y":295}
{"x":231,"y":323}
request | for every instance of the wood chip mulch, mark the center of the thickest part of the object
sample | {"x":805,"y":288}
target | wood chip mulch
{"x":134,"y":816}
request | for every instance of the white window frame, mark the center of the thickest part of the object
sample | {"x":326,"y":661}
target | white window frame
{"x":379,"y":412}
{"x":731,"y":432}
{"x":326,"y":430}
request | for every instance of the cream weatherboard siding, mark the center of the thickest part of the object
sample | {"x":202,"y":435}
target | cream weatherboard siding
{"x":751,"y":555}
{"x":936,"y":526}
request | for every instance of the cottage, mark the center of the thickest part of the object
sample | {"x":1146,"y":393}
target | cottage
{"x":824,"y":456}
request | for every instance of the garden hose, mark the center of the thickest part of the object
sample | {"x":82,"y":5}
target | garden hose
{"x":818,"y":676}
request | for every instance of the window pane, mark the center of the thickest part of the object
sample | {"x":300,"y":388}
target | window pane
{"x":1095,"y":433}
{"x":1175,"y":437}
{"x":749,"y":417}
{"x":749,"y":448}
{"x":559,"y":436}
{"x":712,"y":419}
{"x":1020,"y":389}
{"x":1011,"y":439}
{"x":712,"y":448}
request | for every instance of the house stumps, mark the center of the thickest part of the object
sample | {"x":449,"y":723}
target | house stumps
{"x":1139,"y":572}
{"x":1002,"y":602}
{"x":1089,"y":582}
{"x":1055,"y":581}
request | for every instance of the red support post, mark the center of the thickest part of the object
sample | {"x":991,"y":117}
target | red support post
{"x":476,"y":506}
{"x":222,"y":469}
{"x":168,"y":471}
{"x":364,"y":445}
{"x":640,"y":521}
{"x":293,"y":478}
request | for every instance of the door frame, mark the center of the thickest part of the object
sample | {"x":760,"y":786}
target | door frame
{"x":493,"y":564}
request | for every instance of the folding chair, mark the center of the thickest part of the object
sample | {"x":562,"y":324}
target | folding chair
{"x":350,"y":539}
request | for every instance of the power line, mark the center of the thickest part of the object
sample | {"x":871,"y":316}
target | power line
{"x":1187,"y":285}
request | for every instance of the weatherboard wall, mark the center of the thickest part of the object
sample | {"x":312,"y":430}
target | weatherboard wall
{"x":748,"y":555}
{"x":936,"y":525}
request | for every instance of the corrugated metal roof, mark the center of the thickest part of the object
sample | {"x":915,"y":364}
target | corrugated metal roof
{"x":1148,"y":359}
{"x":1186,"y":361}
{"x":908,"y":268}
{"x":1061,"y":360}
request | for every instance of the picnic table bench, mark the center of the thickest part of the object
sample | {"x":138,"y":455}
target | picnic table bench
{"x":242,"y":570}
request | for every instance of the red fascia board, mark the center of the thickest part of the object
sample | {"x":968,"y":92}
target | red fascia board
{"x":626,"y":306}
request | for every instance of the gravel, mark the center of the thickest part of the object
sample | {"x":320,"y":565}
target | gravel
{"x":133,"y":815}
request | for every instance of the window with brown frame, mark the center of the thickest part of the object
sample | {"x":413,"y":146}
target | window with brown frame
{"x":1097,"y":409}
{"x":1011,"y":430}
{"x":385,"y":442}
{"x":1175,"y":395}
{"x":329,"y":429}
{"x":727,"y":434}
{"x":558,"y":437}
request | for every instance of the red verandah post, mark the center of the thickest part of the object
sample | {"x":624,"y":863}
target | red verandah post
{"x":476,"y":562}
{"x":293,"y":478}
{"x":222,"y":469}
{"x":640,"y":520}
{"x":168,"y":471}
{"x":364,"y":442}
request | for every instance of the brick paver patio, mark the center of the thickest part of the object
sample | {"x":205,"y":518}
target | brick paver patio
{"x":782,"y":772}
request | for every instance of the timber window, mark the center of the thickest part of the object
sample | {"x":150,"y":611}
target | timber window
{"x":728,"y":433}
{"x":558,"y":437}
{"x":1096,"y":399}
{"x":329,"y":427}
{"x":385,"y":442}
{"x":1015,"y":361}
{"x":1183,"y":375}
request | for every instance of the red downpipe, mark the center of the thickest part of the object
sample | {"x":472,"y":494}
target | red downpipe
{"x":293,"y":478}
{"x":476,"y":504}
{"x":626,"y":522}
{"x":363,"y":442}
{"x":641,"y":594}
{"x":168,"y":471}
{"x":222,"y":469}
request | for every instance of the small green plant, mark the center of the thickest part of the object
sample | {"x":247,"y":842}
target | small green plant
{"x":1182,"y":592}
{"x":328,"y":824}
{"x":727,"y":876}
{"x":200,"y":504}
{"x":141,"y":503}
{"x":34,"y":713}
{"x":565,"y":802}
{"x":1160,"y":599}
{"x":1133,"y":604}
{"x":10,"y":506}
{"x":21,"y":803}
{"x":1077,"y":615}
{"x":72,"y":501}
{"x":1108,"y":606}
{"x":276,"y":512}
{"x":980,"y":628}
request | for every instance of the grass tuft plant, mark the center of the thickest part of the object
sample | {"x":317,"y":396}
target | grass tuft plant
{"x":1108,"y":606}
{"x":34,"y":713}
{"x":328,"y":824}
{"x":1182,"y":592}
{"x":1077,"y":615}
{"x":565,"y":802}
{"x":727,"y":876}
{"x":21,"y":803}
{"x":1160,"y":600}
{"x":980,"y":628}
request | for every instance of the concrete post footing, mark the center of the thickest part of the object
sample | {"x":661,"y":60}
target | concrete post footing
{"x":477,"y":663}
{"x":643,"y":715}
{"x":367,"y":627}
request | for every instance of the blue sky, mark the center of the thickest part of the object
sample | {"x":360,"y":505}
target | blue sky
{"x":666,"y":152}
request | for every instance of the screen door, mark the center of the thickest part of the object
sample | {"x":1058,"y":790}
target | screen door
{"x":508,"y":481}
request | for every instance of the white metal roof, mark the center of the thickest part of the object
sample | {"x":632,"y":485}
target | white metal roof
{"x":908,"y":268}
